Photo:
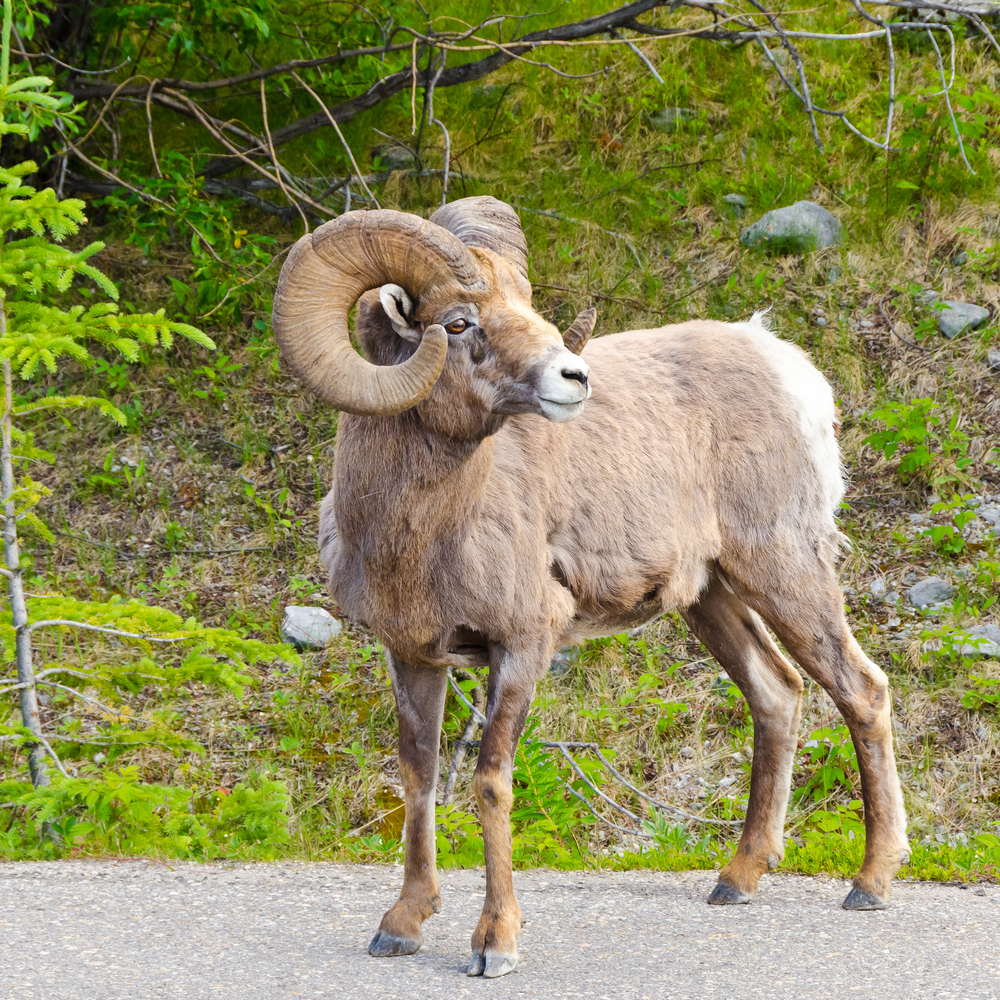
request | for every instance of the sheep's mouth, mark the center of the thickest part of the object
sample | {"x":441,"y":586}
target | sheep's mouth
{"x":558,"y":411}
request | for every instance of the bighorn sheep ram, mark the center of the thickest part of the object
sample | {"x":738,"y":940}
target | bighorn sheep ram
{"x":482,"y":513}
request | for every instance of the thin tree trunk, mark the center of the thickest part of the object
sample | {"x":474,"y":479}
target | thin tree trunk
{"x":19,"y":612}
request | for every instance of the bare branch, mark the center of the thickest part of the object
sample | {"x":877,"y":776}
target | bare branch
{"x":585,"y":222}
{"x":243,"y":157}
{"x":947,"y":93}
{"x":176,"y":83}
{"x":642,"y":55}
{"x":149,"y":129}
{"x":49,"y":57}
{"x":340,"y":136}
{"x":274,"y":158}
{"x":465,"y":741}
{"x":93,"y":701}
{"x":100,"y":628}
{"x":249,"y":281}
{"x":48,"y":748}
{"x":447,"y":159}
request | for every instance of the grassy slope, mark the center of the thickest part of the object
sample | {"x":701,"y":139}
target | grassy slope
{"x":580,"y":149}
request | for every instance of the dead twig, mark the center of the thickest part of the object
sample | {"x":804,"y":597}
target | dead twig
{"x":584,"y":222}
{"x":461,"y":748}
{"x":642,"y":55}
{"x":149,"y":129}
{"x":340,"y":136}
{"x":274,"y":158}
{"x":895,"y":332}
{"x":946,"y":91}
{"x":564,"y":746}
{"x":249,"y":281}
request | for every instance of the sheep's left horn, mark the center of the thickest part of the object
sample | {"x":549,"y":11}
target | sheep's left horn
{"x":578,"y":332}
{"x":487,"y":223}
{"x":326,"y":273}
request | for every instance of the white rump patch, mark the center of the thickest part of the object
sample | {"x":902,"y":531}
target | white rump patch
{"x":812,"y":398}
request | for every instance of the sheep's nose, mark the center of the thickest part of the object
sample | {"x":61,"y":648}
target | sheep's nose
{"x":579,"y":372}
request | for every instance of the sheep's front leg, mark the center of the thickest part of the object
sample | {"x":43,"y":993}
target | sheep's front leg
{"x":508,"y":695}
{"x":420,"y":696}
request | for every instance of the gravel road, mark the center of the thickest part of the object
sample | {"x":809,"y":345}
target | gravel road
{"x":133,"y":930}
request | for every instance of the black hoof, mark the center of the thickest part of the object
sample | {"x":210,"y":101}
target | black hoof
{"x":858,"y":899}
{"x":726,"y":895}
{"x":384,"y":945}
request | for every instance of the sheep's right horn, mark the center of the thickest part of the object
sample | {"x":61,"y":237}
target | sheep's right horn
{"x":486,"y":222}
{"x":578,"y":332}
{"x":326,"y":273}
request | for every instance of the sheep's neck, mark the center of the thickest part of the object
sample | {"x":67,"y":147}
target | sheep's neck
{"x":409,"y":485}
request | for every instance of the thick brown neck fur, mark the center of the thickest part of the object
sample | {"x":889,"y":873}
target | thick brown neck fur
{"x":404,"y":496}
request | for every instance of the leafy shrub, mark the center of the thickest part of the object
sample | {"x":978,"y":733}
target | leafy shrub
{"x":106,"y":811}
{"x":948,"y":538}
{"x":830,"y":754}
{"x":985,"y":691}
{"x":930,"y":447}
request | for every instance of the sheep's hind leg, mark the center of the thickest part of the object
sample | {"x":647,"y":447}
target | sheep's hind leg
{"x":420,"y":696}
{"x":735,"y":636}
{"x":508,"y":697}
{"x":808,"y":618}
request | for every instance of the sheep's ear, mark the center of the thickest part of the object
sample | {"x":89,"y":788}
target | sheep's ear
{"x":399,"y":308}
{"x":578,"y":332}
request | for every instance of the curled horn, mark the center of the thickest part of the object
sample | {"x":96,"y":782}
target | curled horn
{"x":323,"y":277}
{"x":486,"y":223}
{"x":578,"y":332}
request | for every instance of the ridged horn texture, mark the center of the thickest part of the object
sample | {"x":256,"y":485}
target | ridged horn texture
{"x":489,"y":224}
{"x":328,"y":270}
{"x":578,"y":332}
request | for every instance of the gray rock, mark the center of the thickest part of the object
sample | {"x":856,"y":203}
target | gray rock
{"x":736,"y":205}
{"x":960,"y":258}
{"x":878,"y":588}
{"x":993,"y":359}
{"x":686,"y":752}
{"x":958,"y":317}
{"x":308,"y":627}
{"x":833,"y":275}
{"x":393,"y":156}
{"x":722,"y":683}
{"x":991,"y":515}
{"x":979,"y":641}
{"x":984,"y":640}
{"x":928,"y":296}
{"x":795,"y":229}
{"x":670,"y":119}
{"x":727,"y":782}
{"x":784,"y":61}
{"x":932,"y":590}
{"x":562,"y":660}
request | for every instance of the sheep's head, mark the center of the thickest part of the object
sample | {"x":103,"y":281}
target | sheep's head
{"x":444,"y":315}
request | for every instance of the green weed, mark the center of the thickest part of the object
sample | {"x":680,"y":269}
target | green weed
{"x":104,"y":811}
{"x":931,"y":448}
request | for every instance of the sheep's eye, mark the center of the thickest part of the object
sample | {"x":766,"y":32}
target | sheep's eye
{"x":457,"y":326}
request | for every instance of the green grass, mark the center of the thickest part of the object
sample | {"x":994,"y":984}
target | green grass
{"x":225,"y":452}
